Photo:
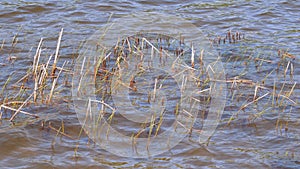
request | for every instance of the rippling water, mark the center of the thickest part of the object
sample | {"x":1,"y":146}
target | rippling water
{"x":268,"y":26}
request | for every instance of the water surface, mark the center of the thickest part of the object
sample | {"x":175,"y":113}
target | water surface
{"x":269,"y":141}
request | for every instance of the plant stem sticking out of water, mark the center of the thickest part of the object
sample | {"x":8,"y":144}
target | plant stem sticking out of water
{"x":57,"y":52}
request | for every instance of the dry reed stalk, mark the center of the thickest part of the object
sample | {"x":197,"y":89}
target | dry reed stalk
{"x":182,"y":125}
{"x":41,"y":80}
{"x":244,"y":106}
{"x":152,"y":124}
{"x":201,"y":57}
{"x":188,"y":113}
{"x":23,"y":78}
{"x":23,"y":112}
{"x":142,"y":45}
{"x":160,"y":54}
{"x":12,"y":102}
{"x":100,"y":61}
{"x":277,"y":124}
{"x":2,"y":45}
{"x":255,"y":90}
{"x":43,"y":75}
{"x":128,"y":43}
{"x":287,"y":67}
{"x":81,"y":74}
{"x":193,"y":57}
{"x":116,"y":46}
{"x":60,"y":131}
{"x":277,"y":99}
{"x":139,"y":133}
{"x":274,"y":93}
{"x":19,"y":109}
{"x":37,"y":57}
{"x":49,"y":59}
{"x":62,"y":126}
{"x":35,"y":89}
{"x":54,"y":83}
{"x":153,"y":47}
{"x":181,"y":41}
{"x":263,"y":60}
{"x":154,"y":90}
{"x":103,"y":103}
{"x":100,"y":117}
{"x":57,"y":52}
{"x":286,"y":54}
{"x":265,"y":78}
{"x":110,"y":120}
{"x":6,"y":83}
{"x":149,"y":97}
{"x":244,"y":81}
{"x":288,"y":95}
{"x":160,"y":121}
{"x":257,"y":115}
{"x":35,"y":67}
{"x":210,"y":68}
{"x":292,"y":69}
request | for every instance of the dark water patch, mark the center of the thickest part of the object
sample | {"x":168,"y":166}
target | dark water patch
{"x":34,"y":8}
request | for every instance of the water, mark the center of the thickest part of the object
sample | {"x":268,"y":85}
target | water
{"x":249,"y":142}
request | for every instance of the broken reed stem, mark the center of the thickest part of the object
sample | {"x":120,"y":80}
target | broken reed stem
{"x":154,"y":48}
{"x":57,"y":52}
{"x":103,"y":103}
{"x":19,"y":109}
{"x":23,"y":112}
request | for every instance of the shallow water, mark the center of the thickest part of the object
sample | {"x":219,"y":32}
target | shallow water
{"x":246,"y":143}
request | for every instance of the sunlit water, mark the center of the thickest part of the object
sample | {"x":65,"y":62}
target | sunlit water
{"x":246,"y":143}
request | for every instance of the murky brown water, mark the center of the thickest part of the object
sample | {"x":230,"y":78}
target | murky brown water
{"x":271,"y":140}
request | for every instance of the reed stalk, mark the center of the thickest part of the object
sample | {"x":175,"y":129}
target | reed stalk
{"x":19,"y":109}
{"x":57,"y":52}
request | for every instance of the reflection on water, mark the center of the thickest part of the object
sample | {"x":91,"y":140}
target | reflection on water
{"x":258,"y":135}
